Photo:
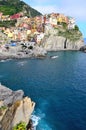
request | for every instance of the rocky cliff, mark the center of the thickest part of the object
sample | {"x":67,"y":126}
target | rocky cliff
{"x":54,"y":43}
{"x":8,"y":97}
{"x":14,"y":108}
{"x":62,"y":39}
{"x":83,"y":48}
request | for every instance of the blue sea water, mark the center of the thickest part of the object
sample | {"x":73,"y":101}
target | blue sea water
{"x":85,"y":40}
{"x":58,"y":86}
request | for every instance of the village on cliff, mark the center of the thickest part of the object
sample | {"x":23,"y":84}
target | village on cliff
{"x":34,"y":27}
{"x":31,"y":32}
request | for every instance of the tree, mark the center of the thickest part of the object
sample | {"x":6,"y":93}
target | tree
{"x":76,"y":28}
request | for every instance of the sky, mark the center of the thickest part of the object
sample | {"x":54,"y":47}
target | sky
{"x":73,"y":8}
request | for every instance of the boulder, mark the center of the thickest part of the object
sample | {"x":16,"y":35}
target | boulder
{"x":8,"y":96}
{"x":83,"y":48}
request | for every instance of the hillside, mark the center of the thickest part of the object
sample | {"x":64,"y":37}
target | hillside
{"x":10,"y":7}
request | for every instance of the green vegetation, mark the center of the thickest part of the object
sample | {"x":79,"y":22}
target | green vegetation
{"x":72,"y":35}
{"x":64,"y":25}
{"x":20,"y":126}
{"x":58,"y":23}
{"x":10,"y":7}
{"x":9,"y":10}
{"x":76,"y":28}
{"x":3,"y":107}
{"x":10,"y":23}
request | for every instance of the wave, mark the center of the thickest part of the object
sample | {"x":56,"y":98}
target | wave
{"x":5,"y":60}
{"x":39,"y":122}
{"x":22,"y":63}
{"x":35,"y":119}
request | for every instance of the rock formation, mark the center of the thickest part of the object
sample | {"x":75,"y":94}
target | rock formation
{"x":55,"y":42}
{"x":20,"y":110}
{"x":19,"y":52}
{"x":62,"y":39}
{"x":83,"y":48}
{"x":8,"y":96}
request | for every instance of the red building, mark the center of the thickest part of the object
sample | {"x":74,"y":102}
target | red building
{"x":15,"y":16}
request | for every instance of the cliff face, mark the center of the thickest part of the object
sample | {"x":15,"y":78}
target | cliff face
{"x":62,"y":39}
{"x":83,"y":48}
{"x":74,"y":45}
{"x":20,"y":110}
{"x":54,"y":43}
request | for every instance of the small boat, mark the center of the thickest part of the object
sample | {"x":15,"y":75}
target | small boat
{"x":53,"y":57}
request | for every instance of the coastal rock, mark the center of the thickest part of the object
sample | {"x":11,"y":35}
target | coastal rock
{"x":54,"y":43}
{"x":74,"y":45}
{"x":17,"y":52}
{"x":1,"y":103}
{"x":20,"y":111}
{"x":39,"y":51}
{"x":83,"y":48}
{"x":14,"y":108}
{"x":8,"y":96}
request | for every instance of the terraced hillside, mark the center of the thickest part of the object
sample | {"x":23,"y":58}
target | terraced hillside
{"x":10,"y":7}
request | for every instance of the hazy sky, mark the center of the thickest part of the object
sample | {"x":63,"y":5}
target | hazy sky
{"x":74,"y":8}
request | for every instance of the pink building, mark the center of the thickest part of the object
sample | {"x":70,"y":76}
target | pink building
{"x":15,"y":16}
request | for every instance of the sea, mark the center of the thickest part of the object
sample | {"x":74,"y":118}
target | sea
{"x":85,"y":41}
{"x":58,"y":86}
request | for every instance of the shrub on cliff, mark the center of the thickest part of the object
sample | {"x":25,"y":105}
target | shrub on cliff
{"x":3,"y":107}
{"x":20,"y":126}
{"x":76,"y":28}
{"x":64,"y":25}
{"x":72,"y":35}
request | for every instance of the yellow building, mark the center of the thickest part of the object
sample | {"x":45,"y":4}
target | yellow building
{"x":59,"y":19}
{"x":10,"y":35}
